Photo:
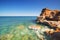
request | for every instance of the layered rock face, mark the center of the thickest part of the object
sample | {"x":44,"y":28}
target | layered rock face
{"x":50,"y":17}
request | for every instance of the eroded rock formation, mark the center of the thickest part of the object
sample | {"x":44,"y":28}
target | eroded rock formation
{"x":51,"y":18}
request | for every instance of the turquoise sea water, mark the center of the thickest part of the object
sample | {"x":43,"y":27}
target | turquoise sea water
{"x":6,"y":22}
{"x":16,"y":28}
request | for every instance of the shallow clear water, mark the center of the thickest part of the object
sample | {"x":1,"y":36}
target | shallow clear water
{"x":16,"y":28}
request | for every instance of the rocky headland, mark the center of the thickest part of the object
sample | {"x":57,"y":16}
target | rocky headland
{"x":51,"y":18}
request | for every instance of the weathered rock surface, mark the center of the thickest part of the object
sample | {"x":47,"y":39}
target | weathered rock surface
{"x":50,"y":17}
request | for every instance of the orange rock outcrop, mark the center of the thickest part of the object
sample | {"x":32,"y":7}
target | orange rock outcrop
{"x":51,"y":18}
